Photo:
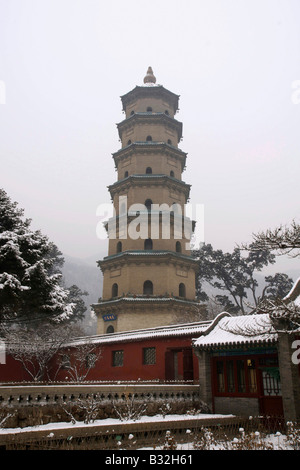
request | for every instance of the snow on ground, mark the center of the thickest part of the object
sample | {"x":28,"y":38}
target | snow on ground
{"x":272,"y":441}
{"x":278,"y":442}
{"x":112,"y":421}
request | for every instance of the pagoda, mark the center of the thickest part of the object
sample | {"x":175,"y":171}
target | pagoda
{"x":149,"y":273}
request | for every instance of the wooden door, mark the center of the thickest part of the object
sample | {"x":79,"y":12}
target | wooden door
{"x":188,"y":367}
{"x":169,"y":366}
{"x":270,"y":398}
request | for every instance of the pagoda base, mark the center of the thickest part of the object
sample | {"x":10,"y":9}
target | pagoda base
{"x":138,"y":312}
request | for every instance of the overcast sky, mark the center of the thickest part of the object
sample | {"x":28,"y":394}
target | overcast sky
{"x":64,"y":65}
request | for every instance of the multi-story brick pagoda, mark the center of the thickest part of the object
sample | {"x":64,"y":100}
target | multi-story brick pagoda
{"x":149,"y":274}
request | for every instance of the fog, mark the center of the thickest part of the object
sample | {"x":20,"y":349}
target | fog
{"x":236,"y":66}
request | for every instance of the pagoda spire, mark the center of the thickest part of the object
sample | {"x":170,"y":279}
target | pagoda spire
{"x":150,"y":78}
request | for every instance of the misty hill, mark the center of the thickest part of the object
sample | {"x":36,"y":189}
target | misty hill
{"x":88,"y":277}
{"x":214,"y":309}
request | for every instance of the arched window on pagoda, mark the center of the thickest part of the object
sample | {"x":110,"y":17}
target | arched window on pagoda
{"x":110,"y":329}
{"x":148,"y":244}
{"x":148,"y":288}
{"x":176,"y":208}
{"x":149,"y":138}
{"x":114,"y":290}
{"x":181,"y":290}
{"x":178,"y":247}
{"x":149,"y":170}
{"x":148,"y":204}
{"x":119,"y":247}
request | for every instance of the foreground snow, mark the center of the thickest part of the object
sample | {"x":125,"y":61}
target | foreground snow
{"x":111,"y":421}
{"x":272,"y":442}
{"x":202,"y":440}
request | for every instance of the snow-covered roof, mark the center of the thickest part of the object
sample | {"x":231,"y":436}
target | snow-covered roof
{"x":184,"y":329}
{"x":231,"y":331}
{"x":294,"y":294}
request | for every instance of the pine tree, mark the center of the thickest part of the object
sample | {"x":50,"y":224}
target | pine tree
{"x":30,"y":277}
{"x":233,"y":276}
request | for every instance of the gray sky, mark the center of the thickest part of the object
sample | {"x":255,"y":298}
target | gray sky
{"x":65,"y":64}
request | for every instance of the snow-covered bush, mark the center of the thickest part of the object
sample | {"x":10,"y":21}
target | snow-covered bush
{"x":293,"y":435}
{"x":169,"y":442}
{"x":204,"y":439}
{"x":130,"y":408}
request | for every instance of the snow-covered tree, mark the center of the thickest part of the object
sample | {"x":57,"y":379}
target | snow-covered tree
{"x":233,"y":278}
{"x":34,"y":346}
{"x":282,"y":240}
{"x":80,"y":358}
{"x":31,"y":285}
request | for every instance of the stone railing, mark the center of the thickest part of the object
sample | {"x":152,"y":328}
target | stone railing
{"x":15,"y":395}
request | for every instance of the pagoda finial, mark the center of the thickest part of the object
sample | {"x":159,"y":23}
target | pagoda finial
{"x":149,"y":78}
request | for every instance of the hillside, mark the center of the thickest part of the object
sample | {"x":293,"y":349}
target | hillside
{"x":88,"y":277}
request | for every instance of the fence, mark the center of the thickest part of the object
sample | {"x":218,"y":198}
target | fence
{"x":45,"y":403}
{"x":29,"y":394}
{"x":131,"y":436}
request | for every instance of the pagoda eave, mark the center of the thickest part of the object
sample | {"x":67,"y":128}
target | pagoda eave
{"x":150,"y":118}
{"x":146,"y":148}
{"x":118,"y":220}
{"x":148,"y":180}
{"x":131,"y":301}
{"x":149,"y":257}
{"x":152,"y":91}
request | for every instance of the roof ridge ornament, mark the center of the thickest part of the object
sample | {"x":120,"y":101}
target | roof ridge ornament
{"x":150,"y":78}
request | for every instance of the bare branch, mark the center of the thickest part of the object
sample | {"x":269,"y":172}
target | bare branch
{"x":285,"y":240}
{"x":35,"y":348}
{"x":84,"y":358}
